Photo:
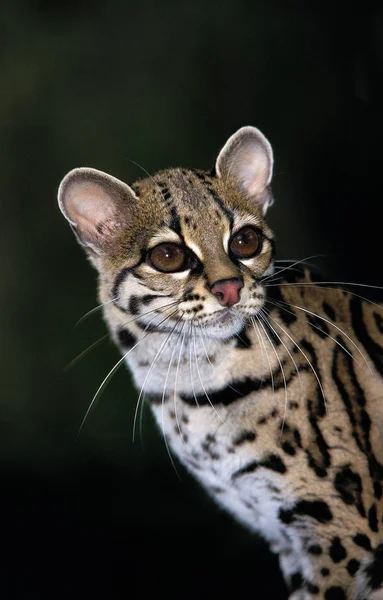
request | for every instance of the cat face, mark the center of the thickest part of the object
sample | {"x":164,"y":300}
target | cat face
{"x":182,"y":249}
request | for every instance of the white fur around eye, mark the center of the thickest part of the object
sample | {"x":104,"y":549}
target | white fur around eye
{"x":180,"y":274}
{"x":197,"y":251}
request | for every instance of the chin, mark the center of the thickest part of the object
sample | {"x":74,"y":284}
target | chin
{"x":224,"y":326}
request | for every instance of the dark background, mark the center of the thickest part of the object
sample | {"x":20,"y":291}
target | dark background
{"x":163,"y":83}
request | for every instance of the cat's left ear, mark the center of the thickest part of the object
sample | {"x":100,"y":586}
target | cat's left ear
{"x":247,"y":160}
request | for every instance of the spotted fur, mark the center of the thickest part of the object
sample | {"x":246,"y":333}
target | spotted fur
{"x":275,"y":404}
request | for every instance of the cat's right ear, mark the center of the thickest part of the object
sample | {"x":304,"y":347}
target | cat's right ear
{"x":96,"y":205}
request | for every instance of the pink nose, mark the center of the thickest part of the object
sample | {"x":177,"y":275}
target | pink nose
{"x":227,"y":291}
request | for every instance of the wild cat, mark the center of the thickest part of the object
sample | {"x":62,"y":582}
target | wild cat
{"x":266,"y":383}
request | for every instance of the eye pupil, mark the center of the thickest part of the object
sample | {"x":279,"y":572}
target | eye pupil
{"x":168,"y":258}
{"x":245,"y":243}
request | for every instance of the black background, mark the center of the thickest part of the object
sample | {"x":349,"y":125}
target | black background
{"x":162,"y":84}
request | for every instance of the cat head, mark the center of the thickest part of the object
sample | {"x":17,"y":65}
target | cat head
{"x":183,"y":247}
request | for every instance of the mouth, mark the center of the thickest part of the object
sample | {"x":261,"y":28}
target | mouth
{"x":225,"y":324}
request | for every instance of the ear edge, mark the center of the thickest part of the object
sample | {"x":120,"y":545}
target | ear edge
{"x":234,"y":139}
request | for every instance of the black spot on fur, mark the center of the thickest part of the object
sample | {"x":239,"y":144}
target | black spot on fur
{"x":337,"y":551}
{"x":335,"y":593}
{"x":374,"y":350}
{"x":353,"y":397}
{"x":275,"y":463}
{"x":154,"y":398}
{"x":243,"y":340}
{"x":296,"y":581}
{"x":126,"y":339}
{"x":360,"y":539}
{"x":317,"y":509}
{"x":377,"y":490}
{"x":315,"y":549}
{"x":330,"y":312}
{"x":312,"y":588}
{"x":372,"y":518}
{"x":293,"y":404}
{"x":352,"y":566}
{"x":349,"y":485}
{"x":271,"y":334}
{"x":375,"y":570}
{"x":317,"y":453}
{"x":244,"y":436}
{"x":378,"y":321}
{"x":166,"y":193}
{"x":325,"y":571}
{"x":226,"y":211}
{"x":288,"y":448}
{"x":318,"y":325}
{"x":149,"y":298}
{"x":272,"y":462}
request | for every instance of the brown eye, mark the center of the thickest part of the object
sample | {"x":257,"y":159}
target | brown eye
{"x":167,"y":258}
{"x":245,"y":243}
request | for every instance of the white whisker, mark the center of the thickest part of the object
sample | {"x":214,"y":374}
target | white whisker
{"x":338,"y":329}
{"x":280,"y":364}
{"x":108,"y":378}
{"x":148,"y":373}
{"x":279,"y":305}
{"x":94,"y":310}
{"x":175,"y":385}
{"x":293,"y":265}
{"x":202,"y":384}
{"x":308,"y":361}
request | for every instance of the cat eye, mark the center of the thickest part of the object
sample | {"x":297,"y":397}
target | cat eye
{"x":167,"y":257}
{"x":245,"y":243}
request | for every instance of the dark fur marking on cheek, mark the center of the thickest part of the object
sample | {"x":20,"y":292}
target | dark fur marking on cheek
{"x":317,"y":509}
{"x":126,"y":338}
{"x":134,"y":305}
{"x":325,"y":572}
{"x":312,"y":588}
{"x":149,"y":298}
{"x":315,"y":549}
{"x":335,"y":593}
{"x":337,"y":551}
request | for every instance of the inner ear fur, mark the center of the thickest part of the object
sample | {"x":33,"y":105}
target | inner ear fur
{"x":247,"y":160}
{"x":96,"y":205}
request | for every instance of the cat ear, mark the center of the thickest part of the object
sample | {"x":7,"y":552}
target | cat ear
{"x":96,"y":205}
{"x":247,"y":159}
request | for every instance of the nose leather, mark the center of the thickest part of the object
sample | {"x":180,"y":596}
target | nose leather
{"x":227,"y":291}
